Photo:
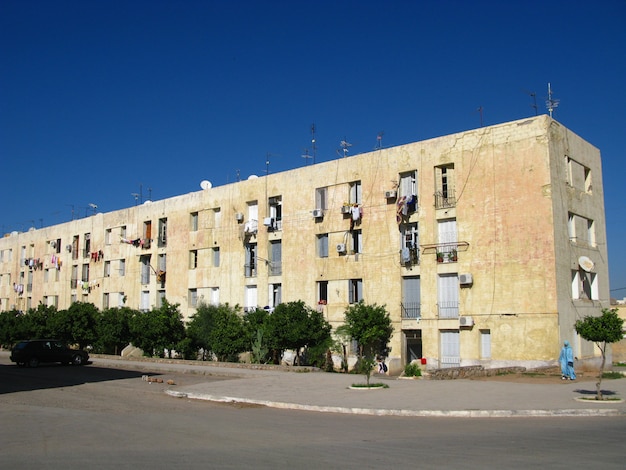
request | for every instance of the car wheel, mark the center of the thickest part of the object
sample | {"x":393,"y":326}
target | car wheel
{"x":33,"y":362}
{"x":77,"y":360}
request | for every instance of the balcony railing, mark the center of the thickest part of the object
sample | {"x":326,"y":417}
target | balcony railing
{"x":249,"y":270}
{"x":275,"y":268}
{"x":448,"y":309}
{"x":410,"y":310}
{"x":444,"y":201}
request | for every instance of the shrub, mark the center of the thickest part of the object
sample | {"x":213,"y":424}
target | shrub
{"x":412,"y":370}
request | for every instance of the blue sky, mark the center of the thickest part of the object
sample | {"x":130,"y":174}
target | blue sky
{"x":101,"y":98}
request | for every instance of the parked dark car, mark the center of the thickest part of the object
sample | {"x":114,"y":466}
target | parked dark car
{"x":32,"y":353}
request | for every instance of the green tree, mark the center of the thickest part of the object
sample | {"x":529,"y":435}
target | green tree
{"x":294,"y":325}
{"x":255,"y":323}
{"x":12,"y":327}
{"x":77,"y":324}
{"x":370,"y":326}
{"x":39,"y":322}
{"x":113,"y":330}
{"x":602,"y":330}
{"x":158,"y":329}
{"x":218,"y":329}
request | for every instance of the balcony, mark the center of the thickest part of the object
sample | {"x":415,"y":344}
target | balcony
{"x":410,"y":310}
{"x":445,"y":252}
{"x":275,"y":268}
{"x":445,"y":200}
{"x":448,"y":309}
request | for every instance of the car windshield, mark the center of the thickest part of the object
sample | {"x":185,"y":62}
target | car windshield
{"x":21,"y":345}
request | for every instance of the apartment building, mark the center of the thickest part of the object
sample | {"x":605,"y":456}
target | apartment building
{"x":485,"y":246}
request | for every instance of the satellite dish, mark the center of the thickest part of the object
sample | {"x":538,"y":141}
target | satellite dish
{"x":205,"y":184}
{"x":585,"y":263}
{"x":252,"y":177}
{"x":147,"y":202}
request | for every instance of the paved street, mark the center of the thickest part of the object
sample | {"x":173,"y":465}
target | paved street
{"x":103,"y":417}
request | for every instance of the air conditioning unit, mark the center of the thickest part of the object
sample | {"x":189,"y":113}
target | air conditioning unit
{"x":341,"y":247}
{"x":465,"y":279}
{"x":466,"y":321}
{"x":390,"y":194}
{"x":318,"y":213}
{"x":69,"y":248}
{"x":53,"y":244}
{"x":268,"y":221}
{"x":239,"y":217}
{"x":345,"y":209}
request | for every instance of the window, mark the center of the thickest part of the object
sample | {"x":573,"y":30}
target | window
{"x":216,"y":257}
{"x":355,"y":192}
{"x":107,"y":236}
{"x":45,"y":275}
{"x":276,"y":212}
{"x":252,"y":223}
{"x":250,"y":266}
{"x":407,"y":191}
{"x":162,"y":232}
{"x":276,"y":258}
{"x":448,"y":295}
{"x":121,"y":300}
{"x":581,"y":230}
{"x":193,"y":222}
{"x":409,"y":244}
{"x":144,"y":301}
{"x":145,"y":269}
{"x":87,"y":246}
{"x":411,"y":297}
{"x":444,"y":187}
{"x":450,"y":348}
{"x":584,"y":285}
{"x":251,"y":301}
{"x":274,"y":295}
{"x":105,"y":300}
{"x":123,"y":231}
{"x":321,"y":198}
{"x":85,"y":276}
{"x":578,"y":175}
{"x":357,"y":241}
{"x":192,"y":297}
{"x":122,"y":268}
{"x":217,"y":217}
{"x":160,"y":297}
{"x":193,"y":259}
{"x":485,"y":344}
{"x":322,"y":245}
{"x":161,"y":268}
{"x":74,"y":276}
{"x":147,"y":233}
{"x":75,"y":247}
{"x":322,"y":292}
{"x":448,"y":238}
{"x":215,"y":295}
{"x":355,"y":290}
{"x":107,"y":269}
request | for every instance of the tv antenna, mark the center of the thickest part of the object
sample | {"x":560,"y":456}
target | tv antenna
{"x":313,"y":142}
{"x":306,"y":156}
{"x":551,"y":103}
{"x":379,"y":140}
{"x":136,"y":196}
{"x":480,"y":111}
{"x":345,"y":145}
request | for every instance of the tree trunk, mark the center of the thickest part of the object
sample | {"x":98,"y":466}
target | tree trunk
{"x":599,"y":383}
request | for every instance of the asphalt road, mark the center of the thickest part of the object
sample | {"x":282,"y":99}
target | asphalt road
{"x":57,"y":417}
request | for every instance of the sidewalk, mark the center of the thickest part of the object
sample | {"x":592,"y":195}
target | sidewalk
{"x":327,"y":392}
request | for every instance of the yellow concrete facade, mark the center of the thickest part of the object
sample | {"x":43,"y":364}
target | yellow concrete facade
{"x":485,"y":246}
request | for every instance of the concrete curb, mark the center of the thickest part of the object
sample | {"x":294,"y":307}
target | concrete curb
{"x":403,"y":413}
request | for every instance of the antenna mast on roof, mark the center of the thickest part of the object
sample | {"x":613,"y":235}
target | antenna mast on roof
{"x":551,"y":103}
{"x":345,"y":145}
{"x":379,"y":140}
{"x":313,"y":146}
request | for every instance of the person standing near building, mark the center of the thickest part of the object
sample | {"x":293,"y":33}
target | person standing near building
{"x":567,"y":362}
